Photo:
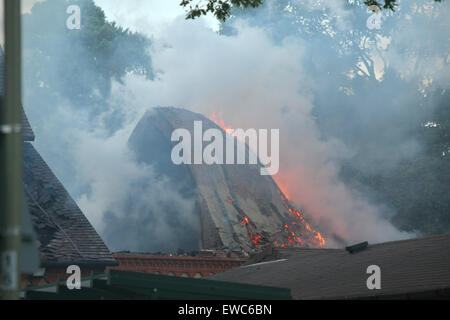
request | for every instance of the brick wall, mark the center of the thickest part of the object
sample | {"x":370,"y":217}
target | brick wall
{"x":192,"y":267}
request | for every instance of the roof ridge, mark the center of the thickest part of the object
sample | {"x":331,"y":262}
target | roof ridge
{"x":421,"y":238}
{"x":27,"y":131}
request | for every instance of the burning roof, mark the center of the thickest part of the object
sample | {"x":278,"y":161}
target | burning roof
{"x":237,"y":207}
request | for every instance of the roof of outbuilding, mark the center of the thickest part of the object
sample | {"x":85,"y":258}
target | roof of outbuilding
{"x":407,"y":266}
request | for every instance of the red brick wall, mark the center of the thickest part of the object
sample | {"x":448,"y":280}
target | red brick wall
{"x":193,"y":267}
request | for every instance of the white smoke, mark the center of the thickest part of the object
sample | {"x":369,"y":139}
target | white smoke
{"x":127,"y":200}
{"x":254,"y":83}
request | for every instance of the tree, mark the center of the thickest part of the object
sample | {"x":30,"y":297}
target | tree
{"x":79,"y":65}
{"x":68,"y":76}
{"x":221,"y":9}
{"x":380,"y":116}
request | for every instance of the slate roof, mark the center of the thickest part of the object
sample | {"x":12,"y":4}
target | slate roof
{"x":408,"y":268}
{"x":65,"y":234}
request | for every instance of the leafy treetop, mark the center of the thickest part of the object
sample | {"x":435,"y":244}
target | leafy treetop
{"x":221,"y":9}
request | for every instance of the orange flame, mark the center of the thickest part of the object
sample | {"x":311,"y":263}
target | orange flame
{"x":254,"y":238}
{"x":216,"y":117}
{"x":291,"y":228}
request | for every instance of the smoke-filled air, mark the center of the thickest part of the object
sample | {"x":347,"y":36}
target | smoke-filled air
{"x":363,"y":110}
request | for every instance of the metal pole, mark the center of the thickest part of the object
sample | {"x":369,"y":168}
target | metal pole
{"x":11,"y":156}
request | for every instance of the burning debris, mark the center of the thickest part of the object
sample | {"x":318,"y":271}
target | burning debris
{"x":252,"y":231}
{"x":295,"y":231}
{"x":236,"y":207}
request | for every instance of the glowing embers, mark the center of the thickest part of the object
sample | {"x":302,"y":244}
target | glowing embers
{"x":295,"y":232}
{"x":256,"y":238}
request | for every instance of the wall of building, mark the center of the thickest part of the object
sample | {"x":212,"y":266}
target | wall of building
{"x":52,"y":274}
{"x":180,"y":266}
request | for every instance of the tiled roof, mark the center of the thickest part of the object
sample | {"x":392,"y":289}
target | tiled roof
{"x":64,"y":233}
{"x":407,"y":267}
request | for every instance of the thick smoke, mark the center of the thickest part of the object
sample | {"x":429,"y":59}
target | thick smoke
{"x":256,"y":84}
{"x":84,"y":138}
{"x":258,"y":77}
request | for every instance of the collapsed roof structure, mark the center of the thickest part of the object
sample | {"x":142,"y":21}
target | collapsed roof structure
{"x":237,"y":207}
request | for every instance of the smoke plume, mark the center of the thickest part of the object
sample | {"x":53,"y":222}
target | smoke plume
{"x":260,"y":75}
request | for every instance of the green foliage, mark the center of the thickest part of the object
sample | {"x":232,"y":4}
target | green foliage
{"x":435,"y":131}
{"x":79,"y":64}
{"x":221,"y":9}
{"x":388,"y":4}
{"x":378,"y":115}
{"x":417,"y":188}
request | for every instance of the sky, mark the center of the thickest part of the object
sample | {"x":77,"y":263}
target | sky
{"x":26,"y":6}
{"x":151,"y":17}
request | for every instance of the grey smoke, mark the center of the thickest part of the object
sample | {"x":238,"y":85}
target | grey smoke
{"x":258,"y":78}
